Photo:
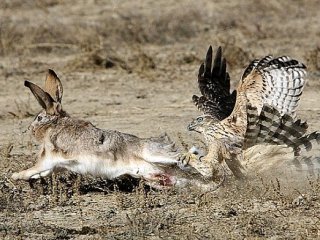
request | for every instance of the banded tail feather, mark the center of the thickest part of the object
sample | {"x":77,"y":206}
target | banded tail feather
{"x":272,"y":128}
{"x":261,"y":128}
{"x":306,"y":164}
{"x":280,"y":130}
{"x":307,"y":142}
{"x":269,"y":124}
{"x":253,"y":128}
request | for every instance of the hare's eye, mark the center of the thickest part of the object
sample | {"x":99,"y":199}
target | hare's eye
{"x":39,"y":118}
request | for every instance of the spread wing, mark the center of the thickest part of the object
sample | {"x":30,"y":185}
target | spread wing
{"x":214,"y":85}
{"x":277,"y":82}
{"x":269,"y":91}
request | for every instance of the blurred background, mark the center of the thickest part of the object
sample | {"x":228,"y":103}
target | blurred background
{"x":125,"y":52}
{"x":139,"y":35}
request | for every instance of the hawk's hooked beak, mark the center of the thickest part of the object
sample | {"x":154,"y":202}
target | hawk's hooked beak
{"x":192,"y":126}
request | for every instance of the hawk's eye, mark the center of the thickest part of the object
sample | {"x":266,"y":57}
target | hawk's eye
{"x":39,"y":118}
{"x":200,"y":119}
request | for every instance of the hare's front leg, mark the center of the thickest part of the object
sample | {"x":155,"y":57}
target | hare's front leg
{"x":34,"y":172}
{"x":43,"y":168}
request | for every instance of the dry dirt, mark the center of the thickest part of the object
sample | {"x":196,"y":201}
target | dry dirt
{"x":132,"y":66}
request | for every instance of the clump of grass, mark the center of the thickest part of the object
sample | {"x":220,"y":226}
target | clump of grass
{"x":5,"y":150}
{"x":22,"y":109}
{"x":236,"y":56}
{"x":10,"y":37}
{"x":313,"y":59}
{"x":136,"y":60}
{"x":257,"y":226}
{"x":18,"y":4}
{"x":69,"y":35}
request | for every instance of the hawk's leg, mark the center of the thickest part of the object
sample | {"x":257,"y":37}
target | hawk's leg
{"x":207,"y":166}
{"x":235,"y":166}
{"x":193,"y":155}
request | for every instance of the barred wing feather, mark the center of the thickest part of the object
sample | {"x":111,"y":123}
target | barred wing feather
{"x":214,"y":85}
{"x":277,"y":82}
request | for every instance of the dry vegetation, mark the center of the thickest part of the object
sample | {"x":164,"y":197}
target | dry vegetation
{"x":126,"y":65}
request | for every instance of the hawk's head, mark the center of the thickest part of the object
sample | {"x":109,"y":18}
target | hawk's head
{"x":201,"y":123}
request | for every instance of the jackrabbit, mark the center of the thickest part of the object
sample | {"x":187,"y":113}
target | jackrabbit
{"x":79,"y":146}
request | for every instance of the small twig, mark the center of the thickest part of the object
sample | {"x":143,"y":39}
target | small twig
{"x":9,"y":181}
{"x":279,"y":210}
{"x":60,"y":45}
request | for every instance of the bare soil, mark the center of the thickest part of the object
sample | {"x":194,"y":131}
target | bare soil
{"x":132,"y":66}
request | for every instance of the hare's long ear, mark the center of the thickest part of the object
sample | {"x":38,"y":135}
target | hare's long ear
{"x":53,"y":86}
{"x":43,"y":98}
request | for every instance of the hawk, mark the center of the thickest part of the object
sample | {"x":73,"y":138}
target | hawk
{"x":261,"y":111}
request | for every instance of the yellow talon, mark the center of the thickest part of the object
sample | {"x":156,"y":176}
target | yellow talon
{"x":186,"y":158}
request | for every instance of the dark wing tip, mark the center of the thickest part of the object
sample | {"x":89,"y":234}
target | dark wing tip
{"x":209,"y":55}
{"x":201,"y":70}
{"x":27,"y":84}
{"x":208,"y":63}
{"x":217,"y":61}
{"x":219,"y":51}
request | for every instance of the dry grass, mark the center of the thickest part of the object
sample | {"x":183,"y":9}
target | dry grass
{"x":66,"y":36}
{"x":140,"y":212}
{"x":22,"y":109}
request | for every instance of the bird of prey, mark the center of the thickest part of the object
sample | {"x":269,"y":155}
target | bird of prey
{"x":261,"y":111}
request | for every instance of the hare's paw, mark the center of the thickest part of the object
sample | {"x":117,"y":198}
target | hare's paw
{"x":33,"y":173}
{"x":19,"y":176}
{"x":15,"y":176}
{"x":41,"y":174}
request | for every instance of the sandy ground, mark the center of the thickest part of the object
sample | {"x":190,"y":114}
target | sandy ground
{"x":132,"y":66}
